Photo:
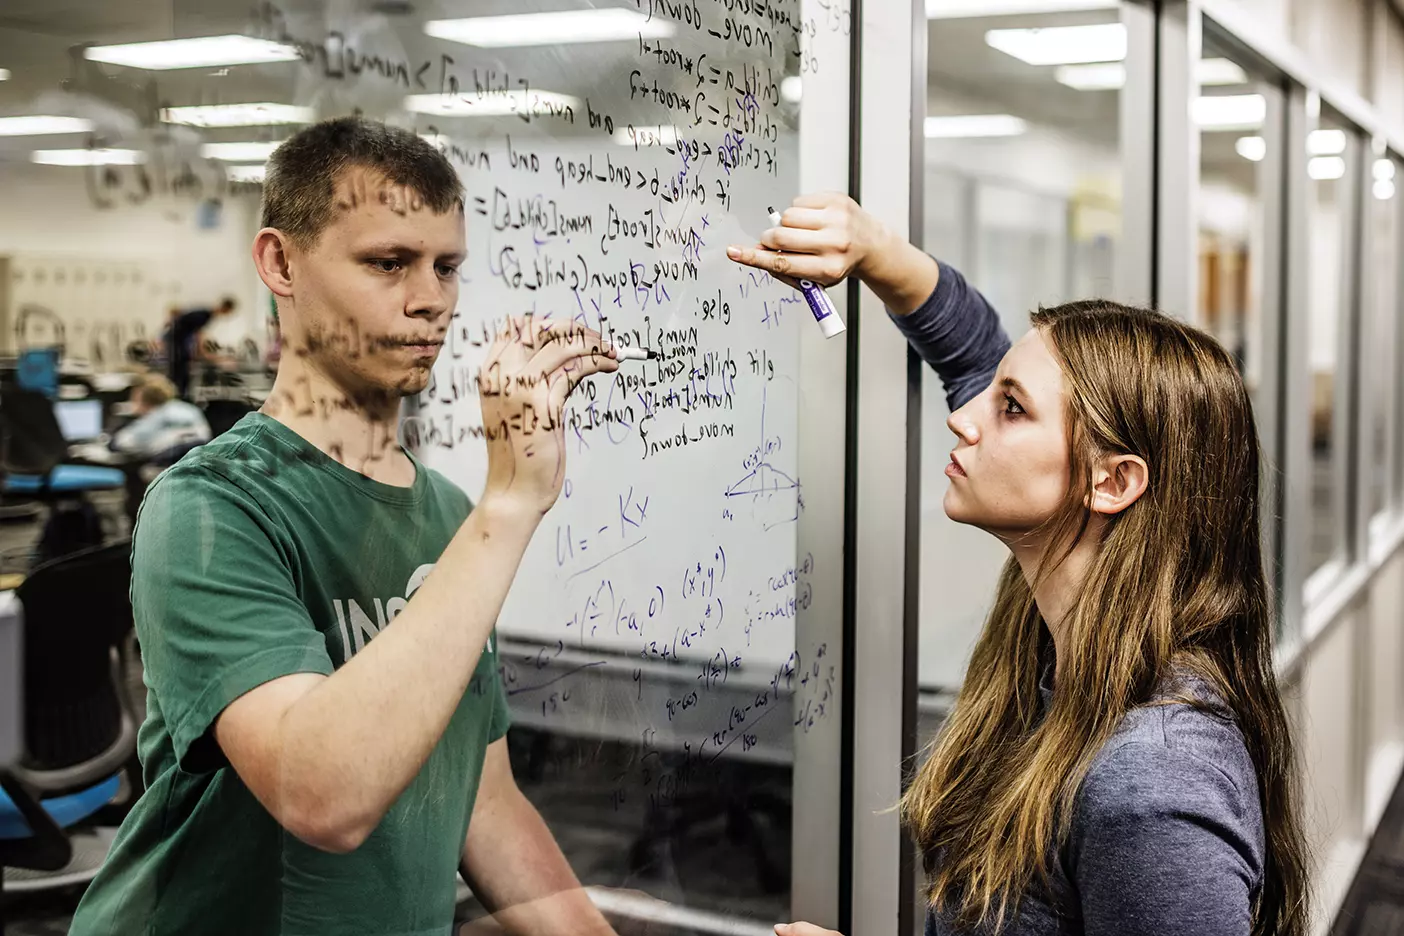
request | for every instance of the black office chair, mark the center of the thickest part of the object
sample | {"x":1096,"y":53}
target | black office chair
{"x":79,"y":722}
{"x":33,"y":455}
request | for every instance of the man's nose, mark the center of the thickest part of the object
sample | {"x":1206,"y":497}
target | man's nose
{"x":429,"y":294}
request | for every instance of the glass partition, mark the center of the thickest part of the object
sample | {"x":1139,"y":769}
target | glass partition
{"x":1023,"y":192}
{"x":1333,"y":151}
{"x":609,"y":154}
{"x":1381,"y":325}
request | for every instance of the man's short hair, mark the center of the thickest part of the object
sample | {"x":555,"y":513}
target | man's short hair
{"x":153,"y":389}
{"x":299,"y":189}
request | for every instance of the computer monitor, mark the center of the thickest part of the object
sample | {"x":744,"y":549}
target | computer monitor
{"x":79,"y":420}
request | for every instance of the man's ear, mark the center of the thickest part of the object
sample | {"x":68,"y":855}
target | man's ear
{"x":271,"y":259}
{"x":1118,"y":482}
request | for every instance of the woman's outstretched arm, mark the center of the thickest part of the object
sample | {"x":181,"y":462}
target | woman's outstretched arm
{"x":827,"y":237}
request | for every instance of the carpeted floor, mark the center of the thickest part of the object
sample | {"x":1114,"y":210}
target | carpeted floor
{"x":1374,"y":905}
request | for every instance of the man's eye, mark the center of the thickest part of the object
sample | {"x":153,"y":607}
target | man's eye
{"x":447,"y":271}
{"x":386,"y":266}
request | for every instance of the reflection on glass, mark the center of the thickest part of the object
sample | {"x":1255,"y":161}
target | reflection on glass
{"x":1231,"y":202}
{"x":1382,"y":324}
{"x":654,"y":695}
{"x":1331,"y":148}
{"x":1023,"y":194}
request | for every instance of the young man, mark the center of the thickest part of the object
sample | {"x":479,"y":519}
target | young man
{"x":324,"y":743}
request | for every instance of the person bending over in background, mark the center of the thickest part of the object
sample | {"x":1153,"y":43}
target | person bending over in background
{"x":163,"y":424}
{"x":325,"y":737}
{"x":184,"y":344}
{"x":1118,"y":761}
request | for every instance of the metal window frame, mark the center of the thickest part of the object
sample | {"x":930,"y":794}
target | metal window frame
{"x":1295,"y":497}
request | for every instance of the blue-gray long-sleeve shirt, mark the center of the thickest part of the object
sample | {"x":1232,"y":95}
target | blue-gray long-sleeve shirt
{"x":1167,"y":837}
{"x":958,"y":333}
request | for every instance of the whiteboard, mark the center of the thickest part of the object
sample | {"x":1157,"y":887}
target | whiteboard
{"x":674,"y":538}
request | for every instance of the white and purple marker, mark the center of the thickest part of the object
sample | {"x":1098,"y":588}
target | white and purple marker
{"x":819,"y":303}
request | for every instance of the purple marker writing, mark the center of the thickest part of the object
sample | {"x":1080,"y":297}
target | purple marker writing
{"x":819,"y":303}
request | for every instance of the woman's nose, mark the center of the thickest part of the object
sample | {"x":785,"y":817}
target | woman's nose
{"x":961,"y":423}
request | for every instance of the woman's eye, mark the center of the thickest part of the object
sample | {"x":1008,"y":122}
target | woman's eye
{"x":386,"y":266}
{"x":1011,"y":406}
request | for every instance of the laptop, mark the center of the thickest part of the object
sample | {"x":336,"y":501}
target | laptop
{"x":79,"y":420}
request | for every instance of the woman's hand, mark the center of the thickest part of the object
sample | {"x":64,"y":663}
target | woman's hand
{"x":827,"y":237}
{"x":802,"y":929}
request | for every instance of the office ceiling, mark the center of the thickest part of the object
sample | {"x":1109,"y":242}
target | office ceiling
{"x":40,"y":39}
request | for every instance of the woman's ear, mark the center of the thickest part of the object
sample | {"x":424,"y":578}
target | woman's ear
{"x":270,"y":256}
{"x":1118,"y":481}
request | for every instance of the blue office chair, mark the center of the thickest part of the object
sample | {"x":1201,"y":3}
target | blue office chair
{"x":33,"y":455}
{"x":79,"y":726}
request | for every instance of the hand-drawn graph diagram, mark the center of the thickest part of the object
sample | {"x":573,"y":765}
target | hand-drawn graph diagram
{"x":774,"y":496}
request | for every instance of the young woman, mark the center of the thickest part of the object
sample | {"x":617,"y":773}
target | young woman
{"x":1118,"y":761}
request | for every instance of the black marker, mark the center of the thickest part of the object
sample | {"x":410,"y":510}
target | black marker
{"x":635,"y":354}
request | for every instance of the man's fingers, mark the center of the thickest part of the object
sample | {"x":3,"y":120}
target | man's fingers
{"x":564,"y":379}
{"x":557,"y":351}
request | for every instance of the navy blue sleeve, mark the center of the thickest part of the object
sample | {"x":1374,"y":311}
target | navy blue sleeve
{"x":1166,"y":843}
{"x":958,"y":333}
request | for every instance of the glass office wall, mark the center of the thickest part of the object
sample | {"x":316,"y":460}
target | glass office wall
{"x":1381,"y":328}
{"x":1234,"y":199}
{"x":1332,"y":208}
{"x":1023,"y":193}
{"x":608,"y":157}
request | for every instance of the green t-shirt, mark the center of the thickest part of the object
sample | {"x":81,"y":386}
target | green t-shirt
{"x":257,"y":556}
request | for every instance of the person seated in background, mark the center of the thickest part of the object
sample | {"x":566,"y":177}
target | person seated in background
{"x":185,"y":343}
{"x":164,"y":424}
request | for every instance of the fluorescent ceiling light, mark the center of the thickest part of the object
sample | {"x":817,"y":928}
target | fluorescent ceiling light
{"x":962,"y":9}
{"x":1326,"y":142}
{"x":246,"y":173}
{"x":4,"y":74}
{"x":1324,"y":168}
{"x":1384,"y":189}
{"x":238,"y":115}
{"x":1111,"y":76}
{"x":1097,"y":76}
{"x":1383,"y":170}
{"x":974,"y":125}
{"x":40,"y":125}
{"x":201,"y":52}
{"x":240,"y":152}
{"x":647,"y":136}
{"x":1217,"y":72}
{"x":791,"y":89}
{"x":490,"y":104}
{"x":1252,"y":148}
{"x":1230,"y":112}
{"x":1062,"y":45}
{"x":88,"y":157}
{"x":564,"y":28}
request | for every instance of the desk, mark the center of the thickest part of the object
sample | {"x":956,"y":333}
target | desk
{"x":95,"y":453}
{"x":11,"y":680}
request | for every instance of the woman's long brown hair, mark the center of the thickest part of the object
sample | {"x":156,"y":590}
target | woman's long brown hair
{"x":1177,"y":584}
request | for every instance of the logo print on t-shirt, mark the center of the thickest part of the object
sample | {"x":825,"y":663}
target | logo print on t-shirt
{"x":355,"y":623}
